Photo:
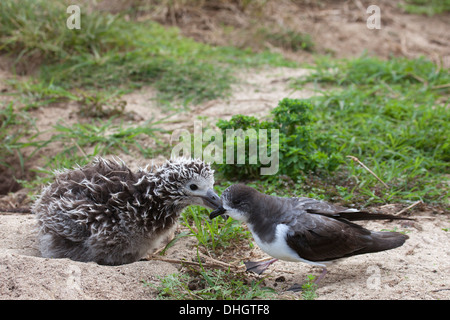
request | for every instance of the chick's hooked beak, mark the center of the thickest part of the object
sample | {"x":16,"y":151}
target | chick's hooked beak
{"x":211,"y":199}
{"x":218,"y":212}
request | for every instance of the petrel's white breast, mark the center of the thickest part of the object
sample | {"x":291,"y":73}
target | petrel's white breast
{"x":279,"y":248}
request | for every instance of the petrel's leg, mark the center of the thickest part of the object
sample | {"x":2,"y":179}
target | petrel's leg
{"x":258,"y":267}
{"x":299,"y":287}
{"x":324,"y":272}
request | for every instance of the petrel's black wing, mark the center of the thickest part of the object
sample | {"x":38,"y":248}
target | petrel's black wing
{"x":320,"y":231}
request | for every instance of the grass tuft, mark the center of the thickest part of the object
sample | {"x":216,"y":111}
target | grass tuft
{"x":393,"y":115}
{"x":201,"y":284}
{"x":217,"y":234}
{"x":109,"y":51}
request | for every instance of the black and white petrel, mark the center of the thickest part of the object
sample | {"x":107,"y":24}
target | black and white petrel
{"x":106,"y":213}
{"x":304,"y":229}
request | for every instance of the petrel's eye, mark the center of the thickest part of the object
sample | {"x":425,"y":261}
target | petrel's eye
{"x":193,"y":187}
{"x":236,"y":201}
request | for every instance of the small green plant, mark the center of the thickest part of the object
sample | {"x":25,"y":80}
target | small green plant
{"x":217,"y":234}
{"x":302,"y":147}
{"x":197,"y":283}
{"x":201,"y":284}
{"x":173,"y":286}
{"x":309,"y":288}
{"x":395,"y":229}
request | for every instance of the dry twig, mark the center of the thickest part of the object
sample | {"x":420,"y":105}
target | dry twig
{"x":14,"y":210}
{"x":365,"y":167}
{"x":213,"y":264}
{"x":407,"y":208}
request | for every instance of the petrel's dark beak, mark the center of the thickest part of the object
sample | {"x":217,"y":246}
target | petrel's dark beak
{"x":218,"y":212}
{"x":211,"y":200}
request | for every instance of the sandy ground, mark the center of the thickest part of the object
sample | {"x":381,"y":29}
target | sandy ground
{"x":25,"y":275}
{"x":337,"y":27}
{"x":420,"y":269}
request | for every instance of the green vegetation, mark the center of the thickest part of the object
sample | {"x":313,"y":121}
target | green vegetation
{"x":81,"y":142}
{"x":210,"y":285}
{"x":109,"y":51}
{"x":395,"y":229}
{"x":301,"y":148}
{"x":197,"y":283}
{"x":217,"y":234}
{"x":428,"y":7}
{"x":14,"y":127}
{"x":393,"y":115}
{"x":104,"y":136}
{"x":287,"y":39}
{"x":309,"y":288}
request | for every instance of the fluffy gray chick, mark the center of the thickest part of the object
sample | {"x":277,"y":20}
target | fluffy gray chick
{"x":106,"y":213}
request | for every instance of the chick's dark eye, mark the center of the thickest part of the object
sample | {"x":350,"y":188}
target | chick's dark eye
{"x":236,"y":201}
{"x":193,"y":187}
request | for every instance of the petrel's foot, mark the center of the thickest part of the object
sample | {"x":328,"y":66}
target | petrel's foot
{"x":296,"y":287}
{"x":258,"y":267}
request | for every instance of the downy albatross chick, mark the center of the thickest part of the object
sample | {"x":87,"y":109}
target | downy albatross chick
{"x":106,"y":213}
{"x":303,"y":229}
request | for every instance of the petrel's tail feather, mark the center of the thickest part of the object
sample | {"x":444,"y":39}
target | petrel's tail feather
{"x":358,"y":215}
{"x":364,"y":215}
{"x":385,"y":240}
